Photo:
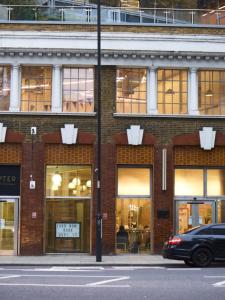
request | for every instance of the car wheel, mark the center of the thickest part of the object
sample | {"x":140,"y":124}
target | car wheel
{"x":188,"y":262}
{"x":202,"y":257}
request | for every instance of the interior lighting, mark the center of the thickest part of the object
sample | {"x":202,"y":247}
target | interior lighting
{"x":71,"y":185}
{"x":76,"y":181}
{"x":57,"y":179}
{"x":88,"y":183}
{"x":209,"y":93}
{"x":55,"y":187}
{"x":170,"y":92}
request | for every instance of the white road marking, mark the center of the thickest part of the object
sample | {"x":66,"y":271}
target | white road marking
{"x":9,"y":276}
{"x":72,"y":276}
{"x":74,"y":269}
{"x":136,"y":268}
{"x":107,"y":281}
{"x":58,"y":269}
{"x":214,"y":276}
{"x":219,"y":284}
{"x":62,"y":285}
{"x":184,"y":269}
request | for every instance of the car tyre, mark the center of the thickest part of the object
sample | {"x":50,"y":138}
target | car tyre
{"x":202,"y":257}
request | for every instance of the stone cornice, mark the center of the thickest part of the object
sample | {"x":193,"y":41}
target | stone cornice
{"x":115,"y":54}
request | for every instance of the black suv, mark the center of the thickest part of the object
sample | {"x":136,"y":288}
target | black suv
{"x":199,"y":246}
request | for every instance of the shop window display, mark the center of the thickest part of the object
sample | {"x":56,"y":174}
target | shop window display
{"x":68,"y":194}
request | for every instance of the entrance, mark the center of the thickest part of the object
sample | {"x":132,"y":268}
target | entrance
{"x":8,"y":226}
{"x":190,"y":214}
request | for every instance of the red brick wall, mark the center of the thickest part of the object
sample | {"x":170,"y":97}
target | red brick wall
{"x":162,"y":200}
{"x":31,"y":230}
{"x":68,"y":154}
{"x":10,"y":153}
{"x":195,"y":156}
{"x":135,"y":155}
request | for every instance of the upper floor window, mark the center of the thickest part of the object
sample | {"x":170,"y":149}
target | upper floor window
{"x":172,"y":91}
{"x":4,"y":88}
{"x":36,"y":90}
{"x":211,"y":92}
{"x":131,"y":94}
{"x":78,"y":90}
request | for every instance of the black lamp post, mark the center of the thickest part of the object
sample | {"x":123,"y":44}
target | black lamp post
{"x":98,"y":154}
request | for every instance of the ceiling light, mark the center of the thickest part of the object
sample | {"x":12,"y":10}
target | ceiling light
{"x":209,"y":93}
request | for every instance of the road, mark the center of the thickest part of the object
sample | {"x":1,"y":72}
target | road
{"x":126,"y":283}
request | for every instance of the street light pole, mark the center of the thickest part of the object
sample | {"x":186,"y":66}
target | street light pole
{"x":98,"y":154}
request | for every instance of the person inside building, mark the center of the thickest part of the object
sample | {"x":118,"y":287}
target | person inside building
{"x":122,"y":238}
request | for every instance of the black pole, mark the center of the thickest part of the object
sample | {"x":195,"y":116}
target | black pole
{"x":98,"y":154}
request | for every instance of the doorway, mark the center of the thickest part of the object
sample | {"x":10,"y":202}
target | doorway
{"x":8,"y":226}
{"x":190,"y":214}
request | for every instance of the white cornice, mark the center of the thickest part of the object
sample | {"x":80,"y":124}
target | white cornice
{"x":112,"y":41}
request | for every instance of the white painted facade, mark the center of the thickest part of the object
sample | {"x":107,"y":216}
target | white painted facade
{"x":152,"y":51}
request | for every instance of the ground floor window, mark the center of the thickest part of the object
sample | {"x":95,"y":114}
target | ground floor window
{"x":199,"y":197}
{"x":67,"y":225}
{"x":133,"y":225}
{"x":133,"y":209}
{"x":67,"y":214}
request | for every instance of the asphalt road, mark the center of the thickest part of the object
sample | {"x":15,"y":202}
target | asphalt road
{"x":131,"y":283}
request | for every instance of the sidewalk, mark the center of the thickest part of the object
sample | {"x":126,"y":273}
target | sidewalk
{"x":86,"y":260}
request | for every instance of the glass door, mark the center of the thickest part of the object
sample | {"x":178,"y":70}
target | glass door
{"x":8,"y":226}
{"x":190,"y":214}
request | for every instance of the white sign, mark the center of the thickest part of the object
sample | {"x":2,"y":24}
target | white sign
{"x":2,"y":223}
{"x":67,"y":230}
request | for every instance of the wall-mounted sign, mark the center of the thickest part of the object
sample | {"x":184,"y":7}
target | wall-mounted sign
{"x":67,"y":230}
{"x":9,"y":180}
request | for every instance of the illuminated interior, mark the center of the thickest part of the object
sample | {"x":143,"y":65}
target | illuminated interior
{"x":191,"y":215}
{"x":131,"y":91}
{"x":78,"y":90}
{"x":36,"y":90}
{"x":133,"y":214}
{"x":172,"y":91}
{"x":189,"y":182}
{"x":211,"y":92}
{"x":134,"y":181}
{"x":68,"y":194}
{"x":4,"y":88}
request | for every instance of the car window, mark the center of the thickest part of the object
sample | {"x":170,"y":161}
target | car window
{"x":218,"y":231}
{"x":192,"y":229}
{"x":205,"y":231}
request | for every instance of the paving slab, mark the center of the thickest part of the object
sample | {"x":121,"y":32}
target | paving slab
{"x":85,"y":259}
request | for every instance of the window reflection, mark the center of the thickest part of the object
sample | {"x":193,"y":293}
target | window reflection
{"x":134,"y":181}
{"x":36,"y":90}
{"x":172,"y":91}
{"x":4,"y":88}
{"x":189,"y":182}
{"x":131,"y":91}
{"x":221,"y":211}
{"x":78,"y":90}
{"x":211,"y":92}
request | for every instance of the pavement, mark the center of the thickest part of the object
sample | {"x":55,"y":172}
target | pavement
{"x":87,"y":260}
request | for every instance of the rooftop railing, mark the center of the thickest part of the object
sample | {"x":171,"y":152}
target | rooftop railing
{"x":111,"y":15}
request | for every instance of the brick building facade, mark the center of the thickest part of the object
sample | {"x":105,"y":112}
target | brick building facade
{"x":147,"y":187}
